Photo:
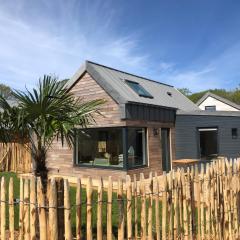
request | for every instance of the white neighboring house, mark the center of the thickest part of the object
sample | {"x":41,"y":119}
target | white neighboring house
{"x":212,"y":102}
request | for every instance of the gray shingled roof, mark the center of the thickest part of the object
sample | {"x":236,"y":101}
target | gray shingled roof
{"x":224,"y":100}
{"x":113,"y":82}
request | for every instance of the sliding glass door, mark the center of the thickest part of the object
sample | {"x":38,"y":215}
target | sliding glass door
{"x":166,"y":156}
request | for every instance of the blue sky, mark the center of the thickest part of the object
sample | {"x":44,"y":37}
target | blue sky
{"x":194,"y":44}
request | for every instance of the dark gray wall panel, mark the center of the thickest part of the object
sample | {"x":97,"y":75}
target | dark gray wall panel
{"x":149,"y":113}
{"x":187,"y":135}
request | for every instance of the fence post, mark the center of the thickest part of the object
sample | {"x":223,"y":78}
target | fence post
{"x":99,"y":210}
{"x":150,"y":206}
{"x":60,"y":210}
{"x":129,"y":207}
{"x":216,"y":198}
{"x":185,"y":215}
{"x":109,"y":209}
{"x":180,"y":197}
{"x":157,"y":207}
{"x":176,"y":206}
{"x":26,"y":226}
{"x":235,"y":206}
{"x":11,"y":209}
{"x":21,"y":209}
{"x":53,"y":231}
{"x":220,"y":199}
{"x":202,"y":185}
{"x":41,"y":211}
{"x":67,"y":211}
{"x":89,"y":208}
{"x":164,"y":207}
{"x":3,"y":209}
{"x":189,"y":202}
{"x":213,"y":210}
{"x":135,"y":190}
{"x":229,"y":176}
{"x":120,"y":210}
{"x":78,"y":210}
{"x":33,"y":208}
{"x":170,"y":205}
{"x":208,"y":211}
{"x":196,"y":176}
{"x":143,"y":207}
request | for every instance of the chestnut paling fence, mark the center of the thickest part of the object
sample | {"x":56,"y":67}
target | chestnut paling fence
{"x":14,"y":157}
{"x":200,"y":203}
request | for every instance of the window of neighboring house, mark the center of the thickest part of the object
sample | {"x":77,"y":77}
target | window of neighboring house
{"x":111,"y":147}
{"x":210,"y":108}
{"x":137,"y":88}
{"x":234,"y":133}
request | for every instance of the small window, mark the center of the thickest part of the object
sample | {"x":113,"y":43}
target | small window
{"x":137,"y":88}
{"x":234,"y":133}
{"x":210,"y":108}
{"x":169,"y":94}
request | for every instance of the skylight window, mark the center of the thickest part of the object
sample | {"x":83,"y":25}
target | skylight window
{"x":137,"y":88}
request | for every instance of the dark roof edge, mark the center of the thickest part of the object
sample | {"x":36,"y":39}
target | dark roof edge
{"x":208,"y":113}
{"x":151,"y":105}
{"x":148,"y":79}
{"x":72,"y":81}
{"x":224,"y":100}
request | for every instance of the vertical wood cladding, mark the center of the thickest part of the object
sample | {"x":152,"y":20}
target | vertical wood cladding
{"x":88,"y":89}
{"x":60,"y":159}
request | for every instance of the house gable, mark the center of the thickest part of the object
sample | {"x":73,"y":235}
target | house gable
{"x":88,"y":89}
{"x":220,"y":103}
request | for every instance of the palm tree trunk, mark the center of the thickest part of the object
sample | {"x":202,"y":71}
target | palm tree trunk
{"x":41,"y":168}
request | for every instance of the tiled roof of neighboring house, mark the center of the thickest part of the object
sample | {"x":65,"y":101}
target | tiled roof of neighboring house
{"x":113,"y":82}
{"x":12,"y":102}
{"x":209,"y":113}
{"x":224,"y":100}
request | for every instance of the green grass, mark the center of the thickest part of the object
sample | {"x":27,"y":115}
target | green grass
{"x":16,"y":185}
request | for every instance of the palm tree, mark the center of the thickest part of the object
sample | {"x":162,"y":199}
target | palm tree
{"x":47,"y":113}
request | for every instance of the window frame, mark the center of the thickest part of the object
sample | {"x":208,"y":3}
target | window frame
{"x":211,"y":106}
{"x":75,"y":150}
{"x":125,"y":150}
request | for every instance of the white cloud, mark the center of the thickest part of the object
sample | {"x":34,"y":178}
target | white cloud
{"x":41,"y":37}
{"x":165,"y":66}
{"x":31,"y":47}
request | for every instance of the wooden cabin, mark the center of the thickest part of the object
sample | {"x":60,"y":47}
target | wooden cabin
{"x":134,"y":133}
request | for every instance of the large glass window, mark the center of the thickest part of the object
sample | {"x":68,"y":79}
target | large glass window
{"x":136,"y":147}
{"x":99,"y":147}
{"x":111,"y":147}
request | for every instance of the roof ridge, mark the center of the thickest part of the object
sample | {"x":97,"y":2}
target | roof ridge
{"x":111,"y":68}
